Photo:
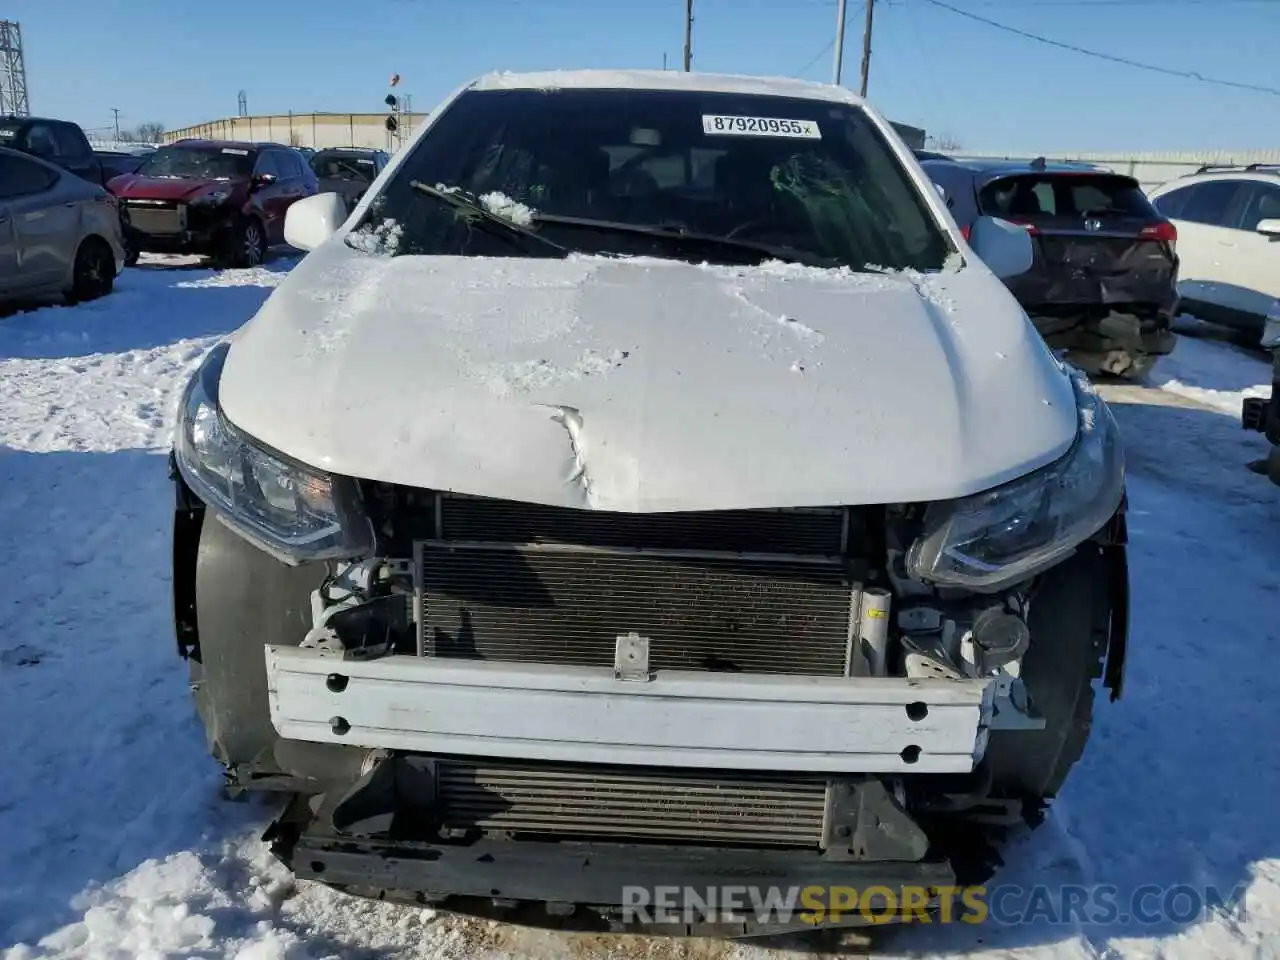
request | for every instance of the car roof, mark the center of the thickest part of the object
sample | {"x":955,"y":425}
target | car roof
{"x":13,"y":118}
{"x":1006,"y":168}
{"x":226,"y":144}
{"x":1265,"y":172}
{"x":359,"y":150}
{"x":661,"y":80}
{"x":985,"y":171}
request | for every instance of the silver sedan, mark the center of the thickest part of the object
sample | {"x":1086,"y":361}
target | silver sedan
{"x":59,"y":234}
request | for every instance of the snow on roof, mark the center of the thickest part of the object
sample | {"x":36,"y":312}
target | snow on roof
{"x":665,"y":80}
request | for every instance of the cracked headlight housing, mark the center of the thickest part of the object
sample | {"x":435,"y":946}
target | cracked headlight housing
{"x":987,"y":542}
{"x":290,"y":510}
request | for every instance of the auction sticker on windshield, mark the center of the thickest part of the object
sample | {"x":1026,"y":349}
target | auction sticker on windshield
{"x":760,"y":127}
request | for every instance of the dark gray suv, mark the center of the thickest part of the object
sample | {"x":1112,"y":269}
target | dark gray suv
{"x":1103,"y":285}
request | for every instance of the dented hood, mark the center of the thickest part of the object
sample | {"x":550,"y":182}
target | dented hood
{"x":648,"y":385}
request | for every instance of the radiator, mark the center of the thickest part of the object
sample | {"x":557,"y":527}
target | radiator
{"x":589,"y":802}
{"x":732,"y":591}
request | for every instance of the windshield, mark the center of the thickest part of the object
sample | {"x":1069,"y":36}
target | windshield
{"x":198,"y":163}
{"x":814,"y":177}
{"x":340,"y":166}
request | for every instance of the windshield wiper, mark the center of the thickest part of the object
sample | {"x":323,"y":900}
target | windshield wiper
{"x":680,"y":234}
{"x":476,"y":213}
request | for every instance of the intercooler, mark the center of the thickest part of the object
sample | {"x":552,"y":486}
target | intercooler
{"x":752,"y":591}
{"x":634,"y":804}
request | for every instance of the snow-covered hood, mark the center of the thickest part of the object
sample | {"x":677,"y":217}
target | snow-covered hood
{"x":648,"y":385}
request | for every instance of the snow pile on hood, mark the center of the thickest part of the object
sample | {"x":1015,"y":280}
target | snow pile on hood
{"x":381,"y":238}
{"x":499,"y":204}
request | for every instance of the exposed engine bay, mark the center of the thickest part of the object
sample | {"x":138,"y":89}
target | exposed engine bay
{"x":776,"y":594}
{"x":810,"y":592}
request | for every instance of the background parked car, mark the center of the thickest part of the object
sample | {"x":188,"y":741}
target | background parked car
{"x":1228,"y":221}
{"x":118,"y":162}
{"x":57,"y":141}
{"x":348,"y":171}
{"x":58,"y":233}
{"x":1104,"y":282}
{"x":215,"y":198}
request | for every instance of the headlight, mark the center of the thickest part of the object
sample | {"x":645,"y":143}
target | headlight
{"x":291,"y":511}
{"x":211,"y":199}
{"x":996,"y":538}
{"x":1271,"y":332}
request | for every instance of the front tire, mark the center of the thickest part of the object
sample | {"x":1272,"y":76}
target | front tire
{"x":248,"y":244}
{"x":94,"y":273}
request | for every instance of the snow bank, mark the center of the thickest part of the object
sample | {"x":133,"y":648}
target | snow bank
{"x":1218,"y":375}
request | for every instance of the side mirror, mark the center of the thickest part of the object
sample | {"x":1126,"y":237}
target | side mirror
{"x":263,"y":179}
{"x":1004,"y":247}
{"x":311,"y":221}
{"x":1269,"y":227}
{"x":941,"y":192}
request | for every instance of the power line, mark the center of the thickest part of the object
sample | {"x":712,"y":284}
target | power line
{"x":1185,"y":74}
{"x":816,"y":57}
{"x":1033,"y":4}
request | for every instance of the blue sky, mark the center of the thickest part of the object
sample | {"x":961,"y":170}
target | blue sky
{"x":184,"y":61}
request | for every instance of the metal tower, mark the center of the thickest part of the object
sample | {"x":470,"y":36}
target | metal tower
{"x":13,"y":72}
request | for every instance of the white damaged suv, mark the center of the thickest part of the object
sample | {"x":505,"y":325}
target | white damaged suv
{"x":647,"y":484}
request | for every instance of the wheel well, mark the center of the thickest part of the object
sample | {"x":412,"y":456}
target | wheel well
{"x":95,"y":239}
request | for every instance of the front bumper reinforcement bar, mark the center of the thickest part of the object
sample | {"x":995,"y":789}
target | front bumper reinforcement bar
{"x":672,"y":719}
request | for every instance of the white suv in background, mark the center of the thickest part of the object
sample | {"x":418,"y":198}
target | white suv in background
{"x":1228,"y":221}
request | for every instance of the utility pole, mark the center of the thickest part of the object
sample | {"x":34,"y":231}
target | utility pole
{"x":14,"y":100}
{"x":835,"y":78}
{"x":688,"y":35}
{"x":866,"y":46}
{"x":116,"y":111}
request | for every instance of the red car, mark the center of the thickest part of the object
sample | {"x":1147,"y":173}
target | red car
{"x":215,"y":198}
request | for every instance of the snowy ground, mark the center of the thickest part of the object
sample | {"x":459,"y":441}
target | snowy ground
{"x":115,"y":842}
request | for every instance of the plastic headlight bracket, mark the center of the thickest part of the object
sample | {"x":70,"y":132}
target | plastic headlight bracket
{"x":290,"y":510}
{"x":987,"y":542}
